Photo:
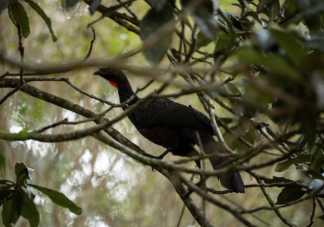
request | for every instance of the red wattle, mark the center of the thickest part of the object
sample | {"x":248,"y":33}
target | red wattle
{"x":113,"y":83}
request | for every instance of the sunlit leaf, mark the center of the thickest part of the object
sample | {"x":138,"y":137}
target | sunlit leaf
{"x":59,"y":198}
{"x":43,"y":15}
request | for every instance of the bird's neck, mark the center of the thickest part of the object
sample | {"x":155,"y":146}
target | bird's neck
{"x":125,"y":91}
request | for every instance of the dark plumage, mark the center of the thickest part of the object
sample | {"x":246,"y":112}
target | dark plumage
{"x":173,"y":126}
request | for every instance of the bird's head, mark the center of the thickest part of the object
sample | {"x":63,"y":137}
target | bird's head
{"x":115,"y":76}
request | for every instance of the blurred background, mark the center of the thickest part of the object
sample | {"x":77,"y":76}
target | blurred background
{"x":111,"y":188}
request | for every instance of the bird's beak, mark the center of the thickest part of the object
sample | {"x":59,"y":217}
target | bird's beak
{"x":99,"y":73}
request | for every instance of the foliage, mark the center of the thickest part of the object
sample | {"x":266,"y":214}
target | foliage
{"x":17,"y":199}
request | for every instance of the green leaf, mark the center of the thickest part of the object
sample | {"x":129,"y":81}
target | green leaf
{"x":202,"y":40}
{"x":43,"y":15}
{"x":316,"y":160}
{"x":203,"y":16}
{"x":19,"y":15}
{"x":22,"y":171}
{"x":4,"y":181}
{"x":152,"y":21}
{"x":274,"y":10}
{"x":321,"y":217}
{"x":59,"y":198}
{"x":285,"y":165}
{"x":10,"y":212}
{"x":273,"y":62}
{"x":29,"y":210}
{"x":3,"y":5}
{"x":289,"y":194}
{"x":275,"y":180}
{"x":5,"y":193}
{"x":289,"y":43}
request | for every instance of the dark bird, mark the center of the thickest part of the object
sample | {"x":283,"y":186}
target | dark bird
{"x":173,"y":126}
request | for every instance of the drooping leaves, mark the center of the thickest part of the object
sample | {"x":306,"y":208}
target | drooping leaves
{"x":157,"y":42}
{"x":20,"y":17}
{"x":11,"y":211}
{"x":43,"y":15}
{"x":59,"y":198}
{"x":29,"y":210}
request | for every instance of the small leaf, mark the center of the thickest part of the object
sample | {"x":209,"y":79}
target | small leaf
{"x":289,"y":194}
{"x":274,"y":10}
{"x":29,"y":210}
{"x":22,"y":171}
{"x":156,"y":4}
{"x":4,"y":194}
{"x":285,"y":165}
{"x":43,"y":15}
{"x":10,"y":212}
{"x":202,"y":40}
{"x":3,"y":5}
{"x":203,"y":16}
{"x":152,"y":21}
{"x":59,"y":198}
{"x":19,"y":15}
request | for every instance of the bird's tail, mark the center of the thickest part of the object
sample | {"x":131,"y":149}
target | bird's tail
{"x":231,"y":180}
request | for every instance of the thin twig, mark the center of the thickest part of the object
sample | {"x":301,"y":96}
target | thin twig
{"x":313,"y":213}
{"x":91,"y":44}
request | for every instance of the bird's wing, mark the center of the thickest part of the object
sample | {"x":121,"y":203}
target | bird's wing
{"x":165,"y":112}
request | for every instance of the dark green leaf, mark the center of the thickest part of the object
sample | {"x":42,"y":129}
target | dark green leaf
{"x":285,"y":165}
{"x":59,"y":198}
{"x":316,"y":160}
{"x":263,"y":3}
{"x":202,"y":40}
{"x":10,"y":212}
{"x":156,"y":4}
{"x":152,"y":21}
{"x":5,"y":193}
{"x":274,"y":10}
{"x":289,"y":194}
{"x":3,"y":5}
{"x":289,"y":43}
{"x":22,"y":171}
{"x":4,"y":181}
{"x":315,"y":174}
{"x":203,"y":16}
{"x":321,"y":217}
{"x":43,"y":15}
{"x":275,"y":180}
{"x":19,"y":15}
{"x":29,"y":210}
